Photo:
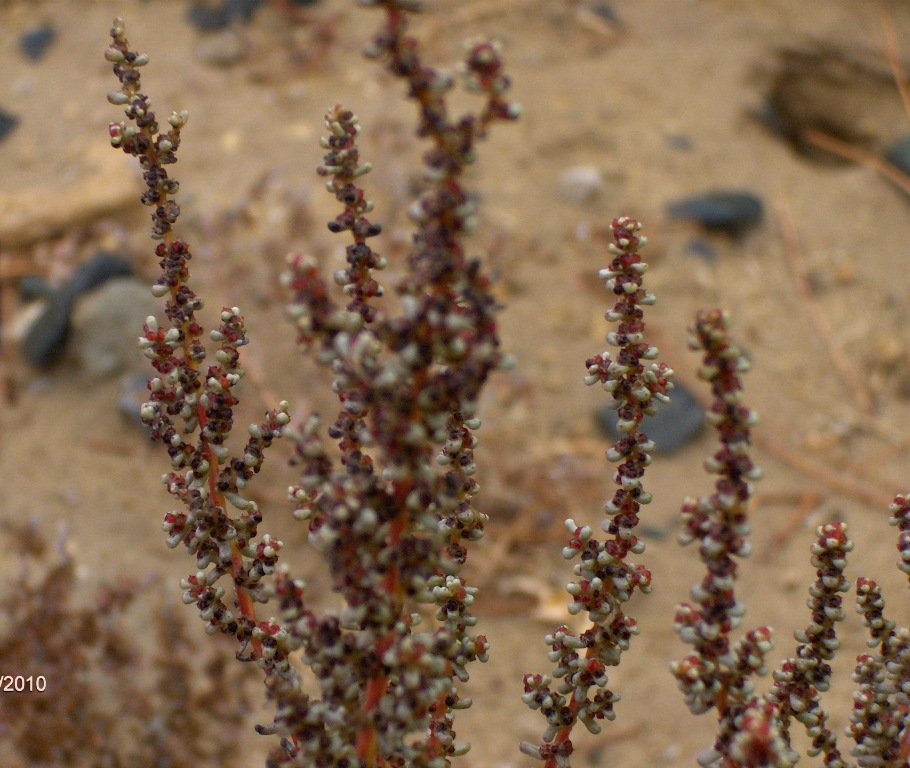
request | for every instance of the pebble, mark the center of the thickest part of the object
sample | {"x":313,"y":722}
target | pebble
{"x":606,"y":12}
{"x":679,"y":141}
{"x":33,"y":287}
{"x":208,"y":18}
{"x":729,"y":211}
{"x":898,"y":154}
{"x":45,"y":340}
{"x":8,"y":121}
{"x":35,"y":43}
{"x":676,"y":424}
{"x":580,"y":184}
{"x":220,"y":50}
{"x":212,"y":18}
{"x":103,"y":266}
{"x":134,"y":393}
{"x":106,"y":324}
{"x":701,"y":249}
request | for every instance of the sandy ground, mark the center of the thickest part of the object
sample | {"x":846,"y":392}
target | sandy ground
{"x":660,"y":105}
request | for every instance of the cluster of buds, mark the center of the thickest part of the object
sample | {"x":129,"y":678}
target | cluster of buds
{"x":606,"y":580}
{"x":900,"y":517}
{"x":394,"y":519}
{"x":799,"y":680}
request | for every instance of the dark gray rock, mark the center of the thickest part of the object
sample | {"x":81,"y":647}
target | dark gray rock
{"x":45,"y":340}
{"x":8,"y":121}
{"x":209,"y":17}
{"x":898,"y":154}
{"x":35,"y":42}
{"x":676,"y":423}
{"x":730,"y":211}
{"x":106,"y":324}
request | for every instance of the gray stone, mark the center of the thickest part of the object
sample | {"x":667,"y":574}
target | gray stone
{"x":106,"y":324}
{"x":676,"y":424}
{"x":220,"y":49}
{"x":580,"y":184}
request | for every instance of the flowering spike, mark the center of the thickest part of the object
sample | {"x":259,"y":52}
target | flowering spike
{"x":606,"y":580}
{"x":191,"y":410}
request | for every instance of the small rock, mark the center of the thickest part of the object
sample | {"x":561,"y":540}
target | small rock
{"x":729,"y":211}
{"x":580,"y":184}
{"x":35,"y":42}
{"x":679,"y":141}
{"x":676,"y":423}
{"x":134,"y":393}
{"x":242,"y":10}
{"x":221,"y":50}
{"x":8,"y":121}
{"x":103,"y":266}
{"x":701,"y":249}
{"x":33,"y":287}
{"x":106,"y":324}
{"x":45,"y":340}
{"x":898,"y":154}
{"x":606,"y":12}
{"x":208,"y":17}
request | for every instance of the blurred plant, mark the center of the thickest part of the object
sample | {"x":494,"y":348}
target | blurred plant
{"x":85,"y":692}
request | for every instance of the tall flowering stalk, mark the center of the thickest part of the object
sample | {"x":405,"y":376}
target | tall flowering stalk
{"x":190,"y":406}
{"x":800,"y":679}
{"x":716,"y":675}
{"x":606,"y":579}
{"x":880,"y":720}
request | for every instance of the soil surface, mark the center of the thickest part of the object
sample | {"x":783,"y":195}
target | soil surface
{"x":628,"y":107}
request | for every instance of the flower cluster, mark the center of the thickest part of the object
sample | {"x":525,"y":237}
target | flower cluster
{"x":393,"y":517}
{"x":606,"y":580}
{"x":800,"y":679}
{"x":880,"y":721}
